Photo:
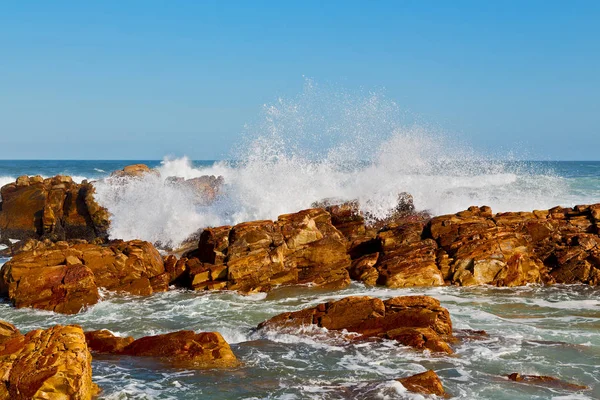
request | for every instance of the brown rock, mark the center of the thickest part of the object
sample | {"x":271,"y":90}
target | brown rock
{"x":410,"y":265}
{"x":65,"y":277}
{"x":54,"y":208}
{"x":186,"y":349}
{"x":7,"y":331}
{"x":134,"y":170}
{"x":424,"y":383}
{"x":299,"y":248}
{"x":417,"y":321}
{"x":46,"y":364}
{"x":103,"y":341}
{"x":546,"y":381}
{"x":363,"y":269}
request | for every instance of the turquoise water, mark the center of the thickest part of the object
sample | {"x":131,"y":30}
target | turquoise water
{"x":532,"y":330}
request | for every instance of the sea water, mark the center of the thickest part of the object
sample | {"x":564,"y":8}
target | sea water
{"x":304,"y":150}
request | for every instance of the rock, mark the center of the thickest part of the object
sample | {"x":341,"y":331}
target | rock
{"x":545,"y":381}
{"x":186,"y":349}
{"x":103,"y":341}
{"x":424,"y":383}
{"x":206,"y":188}
{"x":410,"y":265}
{"x":363,"y":269}
{"x":65,"y":277}
{"x":134,"y":171}
{"x":7,"y":331}
{"x":299,"y":248}
{"x":54,"y":208}
{"x":417,"y":321}
{"x":46,"y":364}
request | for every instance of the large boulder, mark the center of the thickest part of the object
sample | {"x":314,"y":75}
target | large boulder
{"x":416,"y":321}
{"x":65,"y":277}
{"x":55,"y":208}
{"x":299,"y":248}
{"x":46,"y":364}
{"x":182,"y":349}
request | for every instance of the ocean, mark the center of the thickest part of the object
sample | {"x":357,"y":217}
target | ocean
{"x":532,"y":330}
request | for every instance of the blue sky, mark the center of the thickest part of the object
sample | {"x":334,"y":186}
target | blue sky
{"x":143,"y":79}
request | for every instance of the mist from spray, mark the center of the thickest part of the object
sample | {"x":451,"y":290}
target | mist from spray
{"x":327,"y":143}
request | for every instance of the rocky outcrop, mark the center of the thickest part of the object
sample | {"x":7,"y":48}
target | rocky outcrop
{"x":54,"y":208}
{"x":299,"y":248}
{"x":65,"y":277}
{"x":182,"y":349}
{"x":46,"y":364}
{"x":476,"y":247}
{"x":427,"y":383}
{"x":416,"y":321}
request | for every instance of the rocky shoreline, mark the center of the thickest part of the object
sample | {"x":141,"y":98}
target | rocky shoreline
{"x":65,"y":259}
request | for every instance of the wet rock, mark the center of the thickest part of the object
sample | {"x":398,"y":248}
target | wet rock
{"x":363,"y":269}
{"x":426,"y":382}
{"x":416,"y":321}
{"x":186,"y":349}
{"x":53,"y":208}
{"x":104,"y":341}
{"x":65,"y":277}
{"x":545,"y":381}
{"x":410,"y":265}
{"x":298,"y":248}
{"x":46,"y":364}
{"x":7,"y":331}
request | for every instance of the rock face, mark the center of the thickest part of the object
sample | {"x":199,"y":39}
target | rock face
{"x":182,"y":349}
{"x":46,"y":364}
{"x":416,"y":321}
{"x":54,"y":208}
{"x":475,"y":247}
{"x":298,"y":248}
{"x":65,"y":277}
{"x":424,"y":383}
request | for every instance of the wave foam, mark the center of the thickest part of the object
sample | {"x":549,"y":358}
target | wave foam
{"x":328,"y":144}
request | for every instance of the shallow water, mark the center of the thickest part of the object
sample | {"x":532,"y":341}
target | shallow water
{"x":532,"y":330}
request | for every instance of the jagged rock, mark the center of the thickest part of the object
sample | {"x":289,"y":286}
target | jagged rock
{"x":66,"y":277}
{"x":46,"y":364}
{"x":7,"y":331}
{"x":54,"y":208}
{"x":410,"y":265}
{"x":298,"y":248}
{"x":103,"y":341}
{"x":546,"y":381}
{"x":186,"y":349}
{"x":417,"y":321}
{"x":427,"y":382}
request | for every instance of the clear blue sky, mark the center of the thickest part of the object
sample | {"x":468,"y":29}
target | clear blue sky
{"x":141,"y":79}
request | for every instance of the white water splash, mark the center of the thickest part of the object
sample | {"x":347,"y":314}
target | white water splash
{"x":328,"y":144}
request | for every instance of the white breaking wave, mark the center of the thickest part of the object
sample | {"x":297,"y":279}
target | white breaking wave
{"x":326,"y":144}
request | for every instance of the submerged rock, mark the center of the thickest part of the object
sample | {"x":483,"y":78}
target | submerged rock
{"x":427,"y":382}
{"x":182,"y":349}
{"x":549,"y":381}
{"x":65,"y":277}
{"x":54,"y":208}
{"x":416,"y":321}
{"x":54,"y":363}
